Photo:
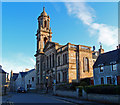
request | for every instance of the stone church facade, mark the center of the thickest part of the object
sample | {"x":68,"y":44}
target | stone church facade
{"x":60,"y":63}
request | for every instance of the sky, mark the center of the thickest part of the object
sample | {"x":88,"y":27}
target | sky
{"x":84,"y":23}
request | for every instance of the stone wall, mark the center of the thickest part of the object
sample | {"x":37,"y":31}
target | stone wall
{"x":67,"y":93}
{"x":101,"y":97}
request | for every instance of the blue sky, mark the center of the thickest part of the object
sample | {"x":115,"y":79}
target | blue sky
{"x":77,"y":23}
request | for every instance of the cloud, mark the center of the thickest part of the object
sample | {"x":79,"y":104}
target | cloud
{"x":18,"y":63}
{"x":107,"y":35}
{"x":80,"y":11}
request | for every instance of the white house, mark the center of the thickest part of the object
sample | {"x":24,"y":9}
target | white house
{"x":27,"y":80}
{"x":30,"y":79}
{"x":107,"y":68}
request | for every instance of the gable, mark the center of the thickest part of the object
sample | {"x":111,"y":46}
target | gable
{"x":48,"y":45}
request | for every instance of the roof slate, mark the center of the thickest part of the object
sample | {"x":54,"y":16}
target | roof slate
{"x":23,"y":74}
{"x":108,"y":57}
{"x":2,"y":71}
{"x":15,"y":75}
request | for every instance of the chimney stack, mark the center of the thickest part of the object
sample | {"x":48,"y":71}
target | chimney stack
{"x":93,"y":48}
{"x":118,"y":47}
{"x":101,"y":50}
{"x":0,"y":67}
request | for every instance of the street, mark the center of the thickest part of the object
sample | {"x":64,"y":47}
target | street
{"x":34,"y":98}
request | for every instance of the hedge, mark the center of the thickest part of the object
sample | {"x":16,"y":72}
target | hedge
{"x":103,"y":89}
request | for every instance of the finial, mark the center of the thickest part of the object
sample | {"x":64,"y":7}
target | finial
{"x":43,"y":9}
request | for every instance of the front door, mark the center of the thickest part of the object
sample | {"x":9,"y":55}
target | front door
{"x":118,"y":80}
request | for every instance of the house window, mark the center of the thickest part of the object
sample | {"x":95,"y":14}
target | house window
{"x":32,"y":79}
{"x":58,"y":60}
{"x":114,"y":67}
{"x":102,"y":80}
{"x":29,"y":85}
{"x":53,"y":60}
{"x":101,"y":68}
{"x":85,"y":64}
{"x":109,"y":80}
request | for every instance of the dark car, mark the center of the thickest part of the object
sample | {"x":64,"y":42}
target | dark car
{"x":21,"y":90}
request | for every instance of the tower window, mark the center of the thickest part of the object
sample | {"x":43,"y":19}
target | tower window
{"x":45,"y":41}
{"x":45,"y":23}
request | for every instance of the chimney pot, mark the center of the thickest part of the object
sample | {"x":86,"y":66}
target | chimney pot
{"x":118,"y":47}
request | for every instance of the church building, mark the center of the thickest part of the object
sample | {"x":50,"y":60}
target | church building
{"x":60,"y":63}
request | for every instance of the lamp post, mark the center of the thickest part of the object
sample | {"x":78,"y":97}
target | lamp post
{"x":46,"y":84}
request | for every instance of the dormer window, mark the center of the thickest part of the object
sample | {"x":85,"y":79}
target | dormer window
{"x":113,"y":66}
{"x":101,"y":68}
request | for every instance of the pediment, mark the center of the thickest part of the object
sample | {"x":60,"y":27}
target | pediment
{"x":49,"y":45}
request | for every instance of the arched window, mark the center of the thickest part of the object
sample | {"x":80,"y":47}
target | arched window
{"x":45,"y":41}
{"x":63,"y":59}
{"x":45,"y":23}
{"x":58,"y":60}
{"x":58,"y":77}
{"x":85,"y":64}
{"x":50,"y":61}
{"x":53,"y":63}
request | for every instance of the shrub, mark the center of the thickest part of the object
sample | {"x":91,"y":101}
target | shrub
{"x":83,"y":83}
{"x":103,"y":89}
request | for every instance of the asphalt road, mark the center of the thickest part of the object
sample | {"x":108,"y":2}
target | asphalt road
{"x":32,"y":98}
{"x":38,"y":99}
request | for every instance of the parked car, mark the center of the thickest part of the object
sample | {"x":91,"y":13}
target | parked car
{"x":21,"y":90}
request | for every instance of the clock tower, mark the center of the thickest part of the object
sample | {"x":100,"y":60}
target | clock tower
{"x":44,"y":33}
